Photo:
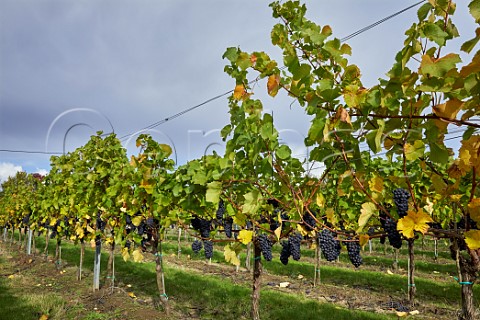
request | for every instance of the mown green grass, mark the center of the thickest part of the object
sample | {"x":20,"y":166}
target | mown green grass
{"x":26,"y":306}
{"x":214,"y":297}
{"x":427,"y":290}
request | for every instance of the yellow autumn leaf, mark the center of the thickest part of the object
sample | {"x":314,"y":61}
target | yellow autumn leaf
{"x":415,"y":150}
{"x":320,"y":200}
{"x":79,"y":232}
{"x":90,"y":229}
{"x":376,"y":184}
{"x":368,"y":209}
{"x":137,"y":255}
{"x":474,"y":209}
{"x":447,"y":110}
{"x":302,"y":230}
{"x":132,"y":295}
{"x":238,"y":92}
{"x":278,"y":232}
{"x":136,"y":221}
{"x":472,"y":238}
{"x":330,"y":213}
{"x":43,"y":317}
{"x":363,"y":239}
{"x":414,"y":221}
{"x":273,"y":84}
{"x":231,"y":256}
{"x":245,"y":236}
{"x":125,"y":254}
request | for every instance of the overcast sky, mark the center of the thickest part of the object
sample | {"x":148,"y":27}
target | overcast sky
{"x":71,"y":67}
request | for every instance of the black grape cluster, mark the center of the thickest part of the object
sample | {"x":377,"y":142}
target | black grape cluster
{"x":196,"y":246}
{"x":202,"y":225}
{"x":265,"y":246}
{"x":128,"y":223}
{"x":329,"y":246}
{"x":353,"y":249}
{"x":294,"y":242}
{"x":141,"y":228}
{"x":274,"y":223}
{"x":26,"y":220}
{"x":310,"y":222}
{"x":100,"y":223}
{"x":393,"y":235}
{"x":227,"y":225}
{"x":208,"y":246}
{"x":400,"y":197}
{"x":285,"y":253}
{"x":471,"y":223}
{"x":151,"y":222}
{"x":220,"y":210}
{"x":55,"y":229}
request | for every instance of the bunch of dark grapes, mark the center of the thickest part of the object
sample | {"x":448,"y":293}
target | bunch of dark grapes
{"x":100,"y":223}
{"x":353,"y":248}
{"x":208,"y":246}
{"x":393,"y":235}
{"x":400,"y":197}
{"x":150,"y":222}
{"x":294,"y":242}
{"x":471,"y":223}
{"x":285,"y":253}
{"x":141,"y":228}
{"x":220,"y":210}
{"x":329,"y":246}
{"x":196,"y":246}
{"x":202,"y":225}
{"x":55,"y":230}
{"x":205,"y":228}
{"x":26,"y":220}
{"x":228,"y":226}
{"x":128,"y":224}
{"x":265,"y":246}
{"x":310,"y":222}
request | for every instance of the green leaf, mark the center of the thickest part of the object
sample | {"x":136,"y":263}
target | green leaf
{"x":231,"y":54}
{"x":438,"y":153}
{"x":433,"y":32}
{"x":440,"y":67}
{"x":423,"y":11}
{"x":283,"y":152}
{"x":199,"y":178}
{"x":468,"y":46}
{"x":413,"y":152}
{"x":368,"y":209}
{"x":214,"y":189}
{"x":301,"y":72}
{"x":474,"y":7}
{"x":251,"y":204}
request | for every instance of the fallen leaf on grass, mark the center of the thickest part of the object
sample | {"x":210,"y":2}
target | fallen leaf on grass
{"x":402,"y":314}
{"x":389,"y":272}
{"x":43,"y":317}
{"x":284,"y":284}
{"x":132,"y":295}
{"x":11,"y":276}
{"x":300,"y":277}
{"x":414,"y":312}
